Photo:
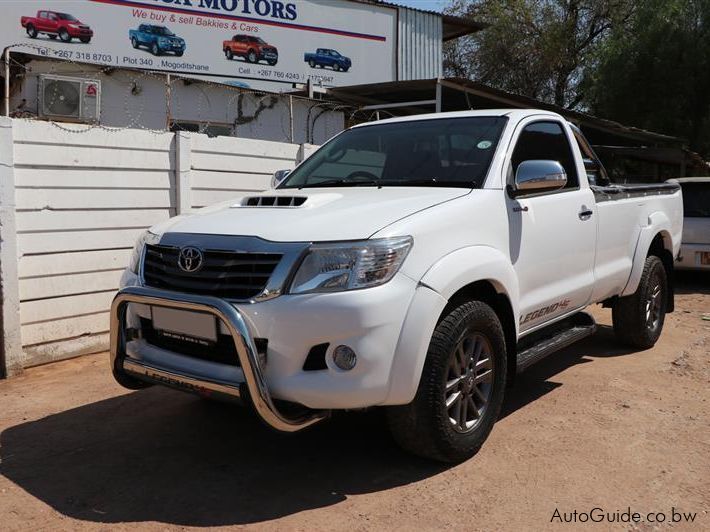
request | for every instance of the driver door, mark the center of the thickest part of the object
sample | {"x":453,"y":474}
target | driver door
{"x":553,"y":233}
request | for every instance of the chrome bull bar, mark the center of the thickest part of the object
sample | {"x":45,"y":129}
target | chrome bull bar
{"x":243,"y":342}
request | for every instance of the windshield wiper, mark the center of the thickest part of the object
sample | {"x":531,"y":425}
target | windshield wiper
{"x":431,"y":181}
{"x":341,"y":182}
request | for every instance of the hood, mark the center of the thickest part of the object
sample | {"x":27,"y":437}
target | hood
{"x":310,"y":215}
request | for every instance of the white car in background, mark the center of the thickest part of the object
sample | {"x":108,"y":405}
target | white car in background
{"x":695,"y":248}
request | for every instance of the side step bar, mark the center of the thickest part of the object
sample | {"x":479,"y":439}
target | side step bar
{"x":540,"y":344}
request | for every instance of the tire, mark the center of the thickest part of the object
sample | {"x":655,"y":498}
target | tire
{"x":155,"y":49}
{"x":272,"y":62}
{"x":134,"y":42}
{"x":85,"y":40}
{"x":346,"y":69}
{"x":64,"y":35}
{"x":179,"y":54}
{"x":427,"y":427}
{"x":252,"y":57}
{"x":229,"y":54}
{"x":312,"y":63}
{"x":336,"y":67}
{"x":31,"y":31}
{"x":638,"y":319}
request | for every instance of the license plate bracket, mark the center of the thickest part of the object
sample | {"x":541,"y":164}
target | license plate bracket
{"x":200,"y":325}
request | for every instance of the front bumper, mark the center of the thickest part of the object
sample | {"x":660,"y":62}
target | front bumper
{"x":160,"y":371}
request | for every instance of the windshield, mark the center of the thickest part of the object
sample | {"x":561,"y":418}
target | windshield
{"x":446,"y":152}
{"x":257,"y":39}
{"x":162,"y":30}
{"x":696,"y":200}
{"x":65,"y":16}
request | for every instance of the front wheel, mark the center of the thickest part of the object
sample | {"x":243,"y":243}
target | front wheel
{"x":251,"y":56}
{"x":85,"y":40}
{"x":155,"y":49}
{"x":638,"y":318}
{"x":64,"y":35}
{"x":336,"y":67}
{"x":461,"y":388}
{"x":272,"y":62}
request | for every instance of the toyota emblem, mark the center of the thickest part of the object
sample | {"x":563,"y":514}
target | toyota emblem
{"x":190,"y":259}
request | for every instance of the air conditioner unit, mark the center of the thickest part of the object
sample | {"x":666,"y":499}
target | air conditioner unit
{"x":72,"y":99}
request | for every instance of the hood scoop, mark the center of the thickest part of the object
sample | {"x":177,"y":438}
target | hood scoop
{"x":272,"y":201}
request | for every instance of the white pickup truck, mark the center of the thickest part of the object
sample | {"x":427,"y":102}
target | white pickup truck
{"x":416,"y":264}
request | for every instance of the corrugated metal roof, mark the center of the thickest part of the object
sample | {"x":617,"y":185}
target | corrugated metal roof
{"x":453,"y":26}
{"x":407,"y":91}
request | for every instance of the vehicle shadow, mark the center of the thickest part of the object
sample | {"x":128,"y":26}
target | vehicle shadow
{"x":160,"y":455}
{"x":536,"y":382}
{"x":692,"y":282}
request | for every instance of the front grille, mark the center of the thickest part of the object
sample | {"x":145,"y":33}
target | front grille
{"x":227,"y":274}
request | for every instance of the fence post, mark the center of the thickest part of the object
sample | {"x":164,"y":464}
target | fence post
{"x":183,"y":168}
{"x":11,"y":355}
{"x":304,"y":152}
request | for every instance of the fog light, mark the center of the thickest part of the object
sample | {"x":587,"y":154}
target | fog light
{"x":344,"y":357}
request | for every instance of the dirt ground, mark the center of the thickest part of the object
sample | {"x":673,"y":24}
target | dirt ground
{"x":594,"y":426}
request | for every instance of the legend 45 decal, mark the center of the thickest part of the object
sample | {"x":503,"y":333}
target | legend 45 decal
{"x":544,"y":311}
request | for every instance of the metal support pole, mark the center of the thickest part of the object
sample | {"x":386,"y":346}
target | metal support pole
{"x":438,"y":95}
{"x":167,"y":102}
{"x":7,"y":81}
{"x":290,"y":120}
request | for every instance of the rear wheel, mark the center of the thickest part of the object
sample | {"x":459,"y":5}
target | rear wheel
{"x":461,"y":389}
{"x":638,"y":319}
{"x":31,"y":31}
{"x":229,"y":54}
{"x":312,"y":63}
{"x":64,"y":35}
{"x":134,"y":42}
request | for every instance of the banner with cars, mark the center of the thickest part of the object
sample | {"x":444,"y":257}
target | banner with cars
{"x":258,"y":42}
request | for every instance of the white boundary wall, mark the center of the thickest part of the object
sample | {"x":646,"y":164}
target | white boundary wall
{"x":72,"y":205}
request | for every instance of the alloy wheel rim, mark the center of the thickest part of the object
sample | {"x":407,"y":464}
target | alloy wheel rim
{"x":469,"y":382}
{"x":654,"y":302}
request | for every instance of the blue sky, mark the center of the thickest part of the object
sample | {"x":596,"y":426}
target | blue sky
{"x":430,"y":5}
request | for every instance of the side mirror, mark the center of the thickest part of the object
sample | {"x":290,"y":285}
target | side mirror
{"x":539,"y":176}
{"x":279,"y":176}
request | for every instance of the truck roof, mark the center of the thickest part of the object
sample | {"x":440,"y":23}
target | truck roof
{"x":512,"y":113}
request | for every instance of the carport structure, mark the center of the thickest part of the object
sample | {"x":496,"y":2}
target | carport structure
{"x":630,"y":154}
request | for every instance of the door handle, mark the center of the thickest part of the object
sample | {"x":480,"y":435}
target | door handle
{"x":585,"y":213}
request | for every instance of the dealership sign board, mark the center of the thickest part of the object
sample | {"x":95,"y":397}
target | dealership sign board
{"x":261,"y":43}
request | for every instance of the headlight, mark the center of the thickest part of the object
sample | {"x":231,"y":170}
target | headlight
{"x":350,"y":265}
{"x":145,"y":238}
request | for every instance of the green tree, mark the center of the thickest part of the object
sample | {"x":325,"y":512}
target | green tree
{"x":655,"y":72}
{"x":538,"y":48}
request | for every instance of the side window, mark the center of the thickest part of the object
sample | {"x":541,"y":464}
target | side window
{"x":546,"y":140}
{"x":42,"y":14}
{"x":596,"y":175}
